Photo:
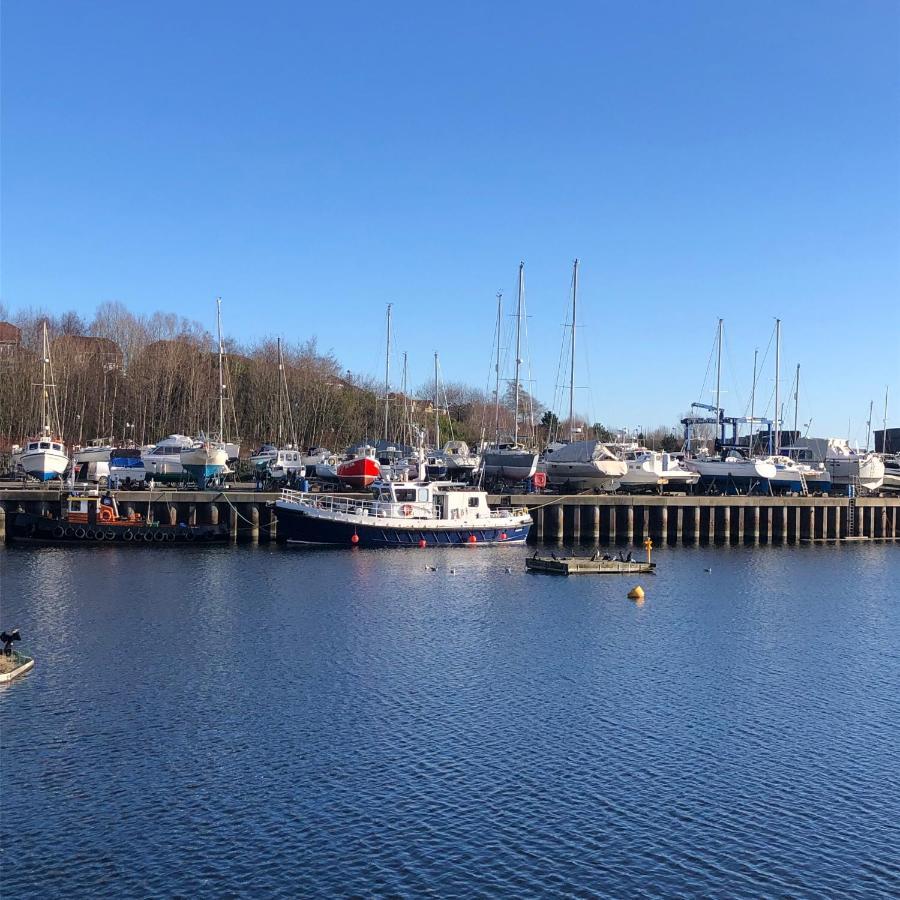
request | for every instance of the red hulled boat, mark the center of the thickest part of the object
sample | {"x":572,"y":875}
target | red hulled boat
{"x":360,"y":470}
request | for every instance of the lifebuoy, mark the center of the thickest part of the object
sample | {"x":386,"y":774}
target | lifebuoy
{"x":106,"y":514}
{"x":406,"y":509}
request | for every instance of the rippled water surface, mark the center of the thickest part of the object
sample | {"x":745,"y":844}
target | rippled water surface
{"x":238,"y":721}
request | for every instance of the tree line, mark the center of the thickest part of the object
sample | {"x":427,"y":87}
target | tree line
{"x":124,"y":378}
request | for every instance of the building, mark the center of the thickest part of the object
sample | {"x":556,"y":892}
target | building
{"x":83,"y":350}
{"x":893,"y":441}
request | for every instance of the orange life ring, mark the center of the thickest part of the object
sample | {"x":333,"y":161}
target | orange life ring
{"x":406,"y":509}
{"x":106,"y":514}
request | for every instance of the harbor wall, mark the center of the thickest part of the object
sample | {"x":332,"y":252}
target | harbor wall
{"x":598,"y":519}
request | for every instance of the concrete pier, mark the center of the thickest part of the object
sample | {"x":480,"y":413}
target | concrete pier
{"x":607,"y":519}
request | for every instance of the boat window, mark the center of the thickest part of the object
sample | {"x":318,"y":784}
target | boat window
{"x":32,"y":446}
{"x":404,"y":496}
{"x":423,"y":495}
{"x":45,"y":445}
{"x":473,"y":501}
{"x":57,"y":447}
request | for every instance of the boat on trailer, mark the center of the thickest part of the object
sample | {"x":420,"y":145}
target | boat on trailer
{"x":401,"y":514}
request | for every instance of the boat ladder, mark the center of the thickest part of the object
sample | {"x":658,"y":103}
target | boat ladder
{"x":852,"y":491}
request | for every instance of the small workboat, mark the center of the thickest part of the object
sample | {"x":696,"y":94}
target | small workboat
{"x":93,"y":519}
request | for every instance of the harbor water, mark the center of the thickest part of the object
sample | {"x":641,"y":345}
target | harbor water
{"x":255,"y":721}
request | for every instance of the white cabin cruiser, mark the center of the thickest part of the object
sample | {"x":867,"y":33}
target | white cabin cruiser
{"x":461,"y":461}
{"x":654,"y":470}
{"x":162,"y":462}
{"x":95,"y":451}
{"x":843,"y":463}
{"x":732,"y":473}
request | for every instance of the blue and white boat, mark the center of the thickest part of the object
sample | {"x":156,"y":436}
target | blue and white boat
{"x":732,"y":473}
{"x":401,"y":514}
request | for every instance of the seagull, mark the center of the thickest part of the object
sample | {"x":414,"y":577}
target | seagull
{"x":707,"y":570}
{"x":431,"y":568}
{"x":453,"y":571}
{"x":508,"y":569}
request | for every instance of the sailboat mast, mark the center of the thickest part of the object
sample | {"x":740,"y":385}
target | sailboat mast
{"x":387,"y":371}
{"x":720,"y":426}
{"x":45,"y":400}
{"x":221,"y":372}
{"x":884,"y":423}
{"x":753,"y":390}
{"x":497,"y":370}
{"x":280,"y":391}
{"x":437,"y":419}
{"x":869,"y":424}
{"x":572,"y":361}
{"x":796,"y":399}
{"x":518,"y":348}
{"x":406,"y":431}
{"x":777,"y":386}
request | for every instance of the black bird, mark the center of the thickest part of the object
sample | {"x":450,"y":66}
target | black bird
{"x":8,"y":638}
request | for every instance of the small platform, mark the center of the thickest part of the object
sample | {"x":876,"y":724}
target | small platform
{"x":579,"y":565}
{"x":14,"y":664}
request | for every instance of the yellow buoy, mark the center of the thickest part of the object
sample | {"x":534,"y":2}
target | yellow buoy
{"x":636,"y":593}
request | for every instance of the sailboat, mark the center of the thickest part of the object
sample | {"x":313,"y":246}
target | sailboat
{"x":510,"y":460}
{"x":44,"y":455}
{"x":208,"y":461}
{"x":580,"y":464}
{"x":733,"y":470}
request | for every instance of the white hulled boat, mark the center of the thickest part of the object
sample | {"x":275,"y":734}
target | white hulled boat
{"x":732,"y":473}
{"x":44,"y":456}
{"x":655,"y":470}
{"x":584,"y":465}
{"x":843,"y":464}
{"x":461,"y":461}
{"x":162,"y":462}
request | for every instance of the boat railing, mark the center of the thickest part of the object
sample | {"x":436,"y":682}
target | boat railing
{"x":357,"y":507}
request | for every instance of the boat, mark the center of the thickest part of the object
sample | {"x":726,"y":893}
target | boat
{"x":584,"y":465}
{"x":126,"y":467}
{"x":44,"y":456}
{"x":286,"y":464}
{"x":162,"y":462}
{"x":261,"y":458}
{"x":891,"y":482}
{"x":405,"y":514}
{"x":360,"y":468}
{"x":584,"y":565}
{"x":91,"y":518}
{"x":845,"y":465}
{"x":96,"y":451}
{"x":509,"y":459}
{"x":655,"y":470}
{"x":461,"y":462}
{"x":790,"y":476}
{"x":731,"y":472}
{"x":207,"y":462}
{"x":436,"y":466}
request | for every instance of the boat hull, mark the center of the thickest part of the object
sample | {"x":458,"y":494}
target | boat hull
{"x":30,"y":528}
{"x":296,"y":526}
{"x":513,"y":465}
{"x":44,"y":465}
{"x":359,"y":473}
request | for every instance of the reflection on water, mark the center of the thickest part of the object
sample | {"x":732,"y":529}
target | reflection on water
{"x":257,"y":721}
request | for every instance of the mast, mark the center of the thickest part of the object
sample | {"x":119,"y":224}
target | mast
{"x":721,"y":427}
{"x":437,"y":419}
{"x":753,"y":389}
{"x":869,"y":424}
{"x":884,"y":423}
{"x":518,"y":347}
{"x":796,"y":399}
{"x":777,"y":386}
{"x":221,"y":373}
{"x":45,"y":399}
{"x":572,"y":361}
{"x":280,"y":392}
{"x":497,"y":371}
{"x":405,"y":431}
{"x":387,"y":371}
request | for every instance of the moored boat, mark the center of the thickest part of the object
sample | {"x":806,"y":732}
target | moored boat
{"x":406,"y":514}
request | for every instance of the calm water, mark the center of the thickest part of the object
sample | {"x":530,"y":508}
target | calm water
{"x":254,"y":722}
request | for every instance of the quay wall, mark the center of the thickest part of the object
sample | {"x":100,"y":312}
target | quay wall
{"x":595,"y":518}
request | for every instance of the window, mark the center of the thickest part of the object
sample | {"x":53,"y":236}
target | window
{"x":406,"y":495}
{"x":423,"y":495}
{"x":32,"y":446}
{"x":473,"y":501}
{"x":57,"y":447}
{"x":45,"y":445}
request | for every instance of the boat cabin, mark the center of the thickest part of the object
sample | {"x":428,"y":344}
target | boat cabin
{"x":435,"y":499}
{"x":90,"y":507}
{"x":46,"y":444}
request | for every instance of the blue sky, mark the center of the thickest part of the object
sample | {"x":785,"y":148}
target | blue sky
{"x":311,"y":162}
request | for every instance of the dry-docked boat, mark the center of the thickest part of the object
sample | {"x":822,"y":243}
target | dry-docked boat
{"x":461,"y":461}
{"x":405,"y":514}
{"x":655,"y":471}
{"x":360,"y":469}
{"x":843,"y":464}
{"x":733,"y":472}
{"x":583,"y":465}
{"x":89,"y":517}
